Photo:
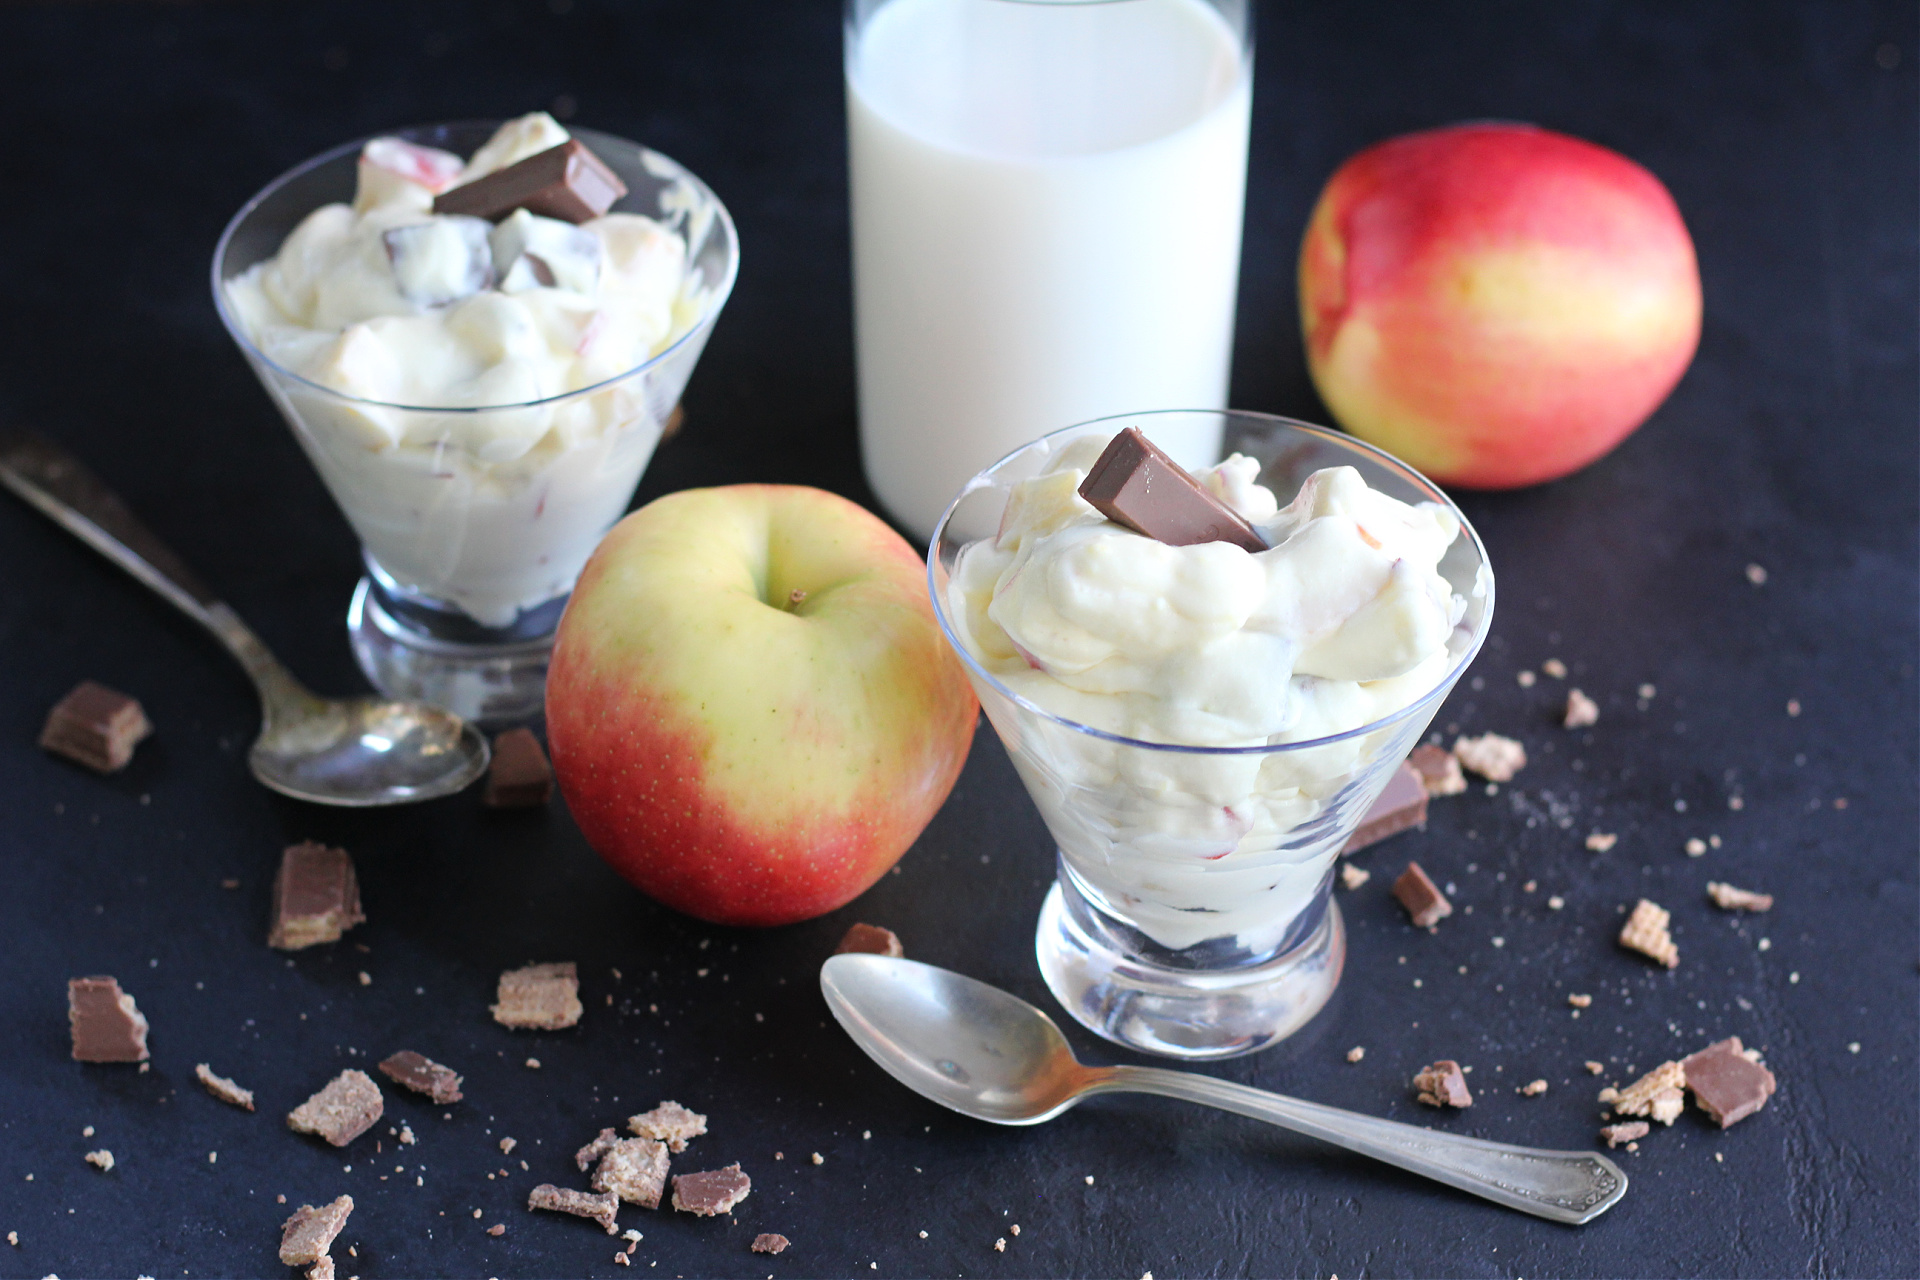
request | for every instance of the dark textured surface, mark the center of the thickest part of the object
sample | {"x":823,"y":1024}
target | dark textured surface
{"x":1789,"y":145}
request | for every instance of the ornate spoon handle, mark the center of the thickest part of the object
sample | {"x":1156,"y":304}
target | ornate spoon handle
{"x":1564,"y":1186}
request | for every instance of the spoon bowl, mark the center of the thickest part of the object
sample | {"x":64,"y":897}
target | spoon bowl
{"x":989,"y":1054}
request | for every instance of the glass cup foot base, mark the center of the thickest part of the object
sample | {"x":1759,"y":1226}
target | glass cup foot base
{"x":493,"y":685}
{"x":1185,"y":1013}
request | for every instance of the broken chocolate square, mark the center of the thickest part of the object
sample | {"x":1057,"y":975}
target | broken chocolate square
{"x":1646,"y":932}
{"x":520,"y":777}
{"x":567,"y":182}
{"x":1402,"y":804}
{"x":871,"y":939}
{"x":422,"y":1075}
{"x":1728,"y":1084}
{"x":602,"y":1144}
{"x":309,"y":1233}
{"x":670,"y":1123}
{"x":707,"y":1194}
{"x":543,"y":997}
{"x":582,"y":1204}
{"x":1134,"y":484}
{"x":107,"y":1026}
{"x":770,"y":1242}
{"x":222,"y":1088}
{"x":95,"y":726}
{"x":342,"y":1111}
{"x":316,"y":897}
{"x":1631,"y":1131}
{"x":1443,"y":1085}
{"x":635,"y":1169}
{"x":1439,"y":771}
{"x":1421,"y":897}
{"x":1638,"y":1098}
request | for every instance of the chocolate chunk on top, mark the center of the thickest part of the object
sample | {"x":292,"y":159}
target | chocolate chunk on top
{"x":1727,"y":1084}
{"x":1443,"y":1085}
{"x":1421,"y":897}
{"x":670,"y":1123}
{"x":602,"y":1208}
{"x":1402,"y":804}
{"x":222,"y":1088}
{"x":707,"y":1194}
{"x":95,"y":726}
{"x":316,"y":897}
{"x":542,"y":997}
{"x":342,"y":1111}
{"x":422,"y":1075}
{"x":871,"y":939}
{"x":635,"y":1169}
{"x":770,"y":1242}
{"x":107,"y":1026}
{"x":309,"y":1233}
{"x":1135,"y":484}
{"x":567,"y":182}
{"x":519,"y":777}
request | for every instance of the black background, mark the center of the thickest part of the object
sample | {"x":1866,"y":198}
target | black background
{"x":1786,"y":132}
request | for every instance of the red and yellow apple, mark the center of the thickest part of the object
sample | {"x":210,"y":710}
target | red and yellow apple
{"x":751,"y":710}
{"x":1496,"y":304}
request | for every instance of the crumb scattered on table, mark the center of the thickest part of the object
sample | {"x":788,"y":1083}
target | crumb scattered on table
{"x":1581,"y":711}
{"x":1728,"y":898}
{"x":544,"y":997}
{"x":1493,"y":757}
{"x":1646,"y":932}
{"x":1443,"y":1084}
{"x":670,"y":1123}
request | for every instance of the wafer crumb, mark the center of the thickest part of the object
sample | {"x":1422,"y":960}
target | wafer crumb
{"x":1594,"y":1068}
{"x":1493,"y":757}
{"x":507,"y":1145}
{"x":1581,"y":711}
{"x":1646,"y":932}
{"x":101,"y":1160}
{"x":1579,"y":1001}
{"x":1615,"y":1134}
{"x":1356,"y":1053}
{"x":818,"y":1158}
{"x":1533,"y":1088}
{"x":1637,"y":1098}
{"x":1728,"y":898}
{"x":1353,"y":877}
{"x":1696,"y":847}
{"x":1601,"y":841}
{"x":1000,"y":1245}
{"x":1555,"y":902}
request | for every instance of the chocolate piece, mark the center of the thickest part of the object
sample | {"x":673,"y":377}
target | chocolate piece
{"x":1491,"y":756}
{"x":1421,"y":897}
{"x":1727,"y":1084}
{"x":544,"y":997}
{"x":581,"y":1204}
{"x":1134,"y":483}
{"x":1632,"y":1130}
{"x":309,"y":1233}
{"x":316,"y":897}
{"x":670,"y":1123}
{"x":871,"y":939}
{"x":710,"y":1193}
{"x":342,"y":1111}
{"x":95,"y":726}
{"x":520,"y":776}
{"x":770,"y":1242}
{"x":1646,"y":932}
{"x":1638,"y":1098}
{"x":1443,"y":1085}
{"x":1439,"y":771}
{"x":222,"y":1088}
{"x":107,"y":1025}
{"x":567,"y":182}
{"x":1728,"y":898}
{"x":422,"y":1075}
{"x":586,"y":1155}
{"x":1402,"y":804}
{"x":1581,"y":711}
{"x":635,"y":1169}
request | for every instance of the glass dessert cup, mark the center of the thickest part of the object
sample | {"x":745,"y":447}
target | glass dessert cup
{"x":470,"y":554}
{"x":1192,"y":914}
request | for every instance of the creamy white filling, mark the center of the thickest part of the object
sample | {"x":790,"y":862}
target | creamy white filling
{"x":1343,"y":621}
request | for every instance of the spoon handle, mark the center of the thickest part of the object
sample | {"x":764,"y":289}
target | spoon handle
{"x":50,"y":478}
{"x":1564,"y":1186}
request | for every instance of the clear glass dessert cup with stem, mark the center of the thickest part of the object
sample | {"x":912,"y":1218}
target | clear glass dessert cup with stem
{"x":1192,"y":913}
{"x":470,"y":552}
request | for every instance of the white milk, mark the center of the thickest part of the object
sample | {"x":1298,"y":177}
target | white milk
{"x":1046,"y":226}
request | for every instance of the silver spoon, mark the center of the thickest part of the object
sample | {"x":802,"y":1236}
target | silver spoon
{"x":355,"y":752}
{"x":993,"y":1056}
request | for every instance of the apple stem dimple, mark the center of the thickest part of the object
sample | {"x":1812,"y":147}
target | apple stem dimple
{"x":795,"y":597}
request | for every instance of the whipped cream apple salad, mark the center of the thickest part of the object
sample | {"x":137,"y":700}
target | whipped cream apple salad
{"x":1326,"y":615}
{"x":450,"y":348}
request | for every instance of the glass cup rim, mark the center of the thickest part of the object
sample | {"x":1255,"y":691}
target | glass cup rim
{"x":718,"y":301}
{"x":1445,"y":683}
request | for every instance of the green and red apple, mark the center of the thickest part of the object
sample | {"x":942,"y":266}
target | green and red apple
{"x":751,"y":710}
{"x":1496,"y":304}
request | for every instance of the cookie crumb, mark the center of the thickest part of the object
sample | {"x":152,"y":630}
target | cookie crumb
{"x":1000,"y":1245}
{"x":1443,"y":1084}
{"x":1757,"y":575}
{"x":1601,"y":841}
{"x":1353,"y":877}
{"x":1579,"y":1001}
{"x":1615,"y":1134}
{"x":222,"y":1088}
{"x":543,"y":997}
{"x":1492,"y":756}
{"x":670,"y":1123}
{"x":1356,"y":1053}
{"x":581,"y":1204}
{"x":101,"y":1160}
{"x":1646,"y":932}
{"x":533,"y":1064}
{"x":1555,"y":902}
{"x":1696,"y":847}
{"x":507,"y":1145}
{"x":1532,"y":1089}
{"x":1728,"y":898}
{"x":769,"y":1242}
{"x":346,"y":1108}
{"x":1637,"y":1099}
{"x":306,"y":1237}
{"x":1581,"y":711}
{"x":497,"y":1229}
{"x":635,"y":1169}
{"x":1594,"y":1068}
